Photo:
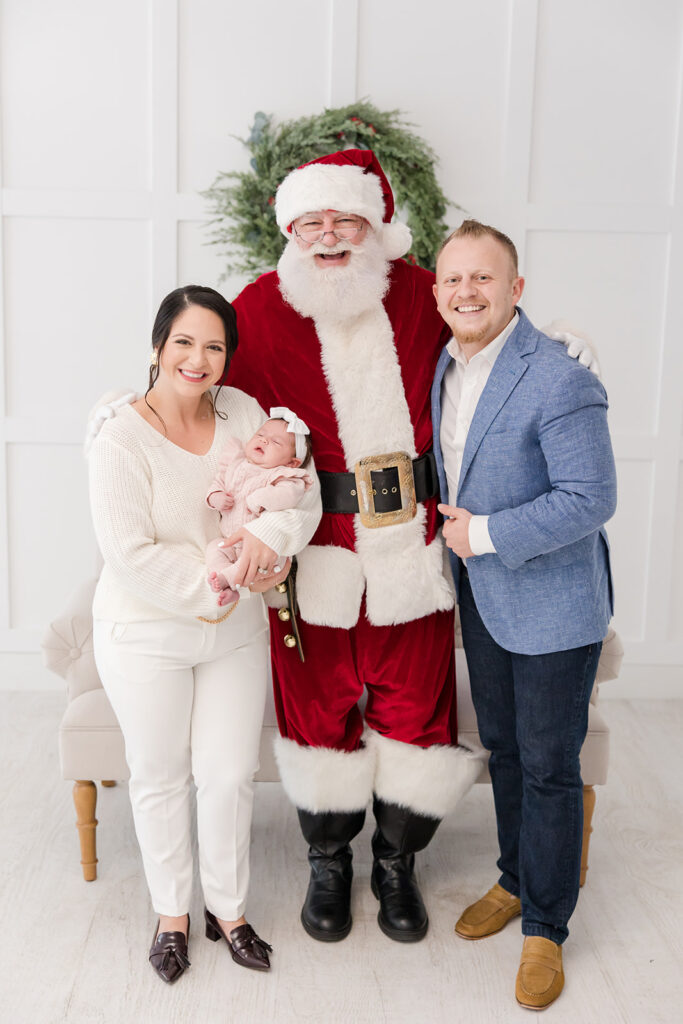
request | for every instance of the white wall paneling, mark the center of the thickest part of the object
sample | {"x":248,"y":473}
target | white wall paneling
{"x":444,"y":64}
{"x":560,"y":122}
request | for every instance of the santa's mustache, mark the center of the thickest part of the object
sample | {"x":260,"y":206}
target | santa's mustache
{"x":318,"y":249}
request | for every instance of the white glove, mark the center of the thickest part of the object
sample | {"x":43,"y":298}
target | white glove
{"x":578,"y":345}
{"x":104,"y":408}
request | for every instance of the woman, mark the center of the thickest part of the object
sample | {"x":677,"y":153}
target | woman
{"x":186,"y":677}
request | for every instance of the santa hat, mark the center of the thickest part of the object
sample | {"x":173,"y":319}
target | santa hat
{"x":351,"y":181}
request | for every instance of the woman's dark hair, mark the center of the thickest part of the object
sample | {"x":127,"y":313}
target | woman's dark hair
{"x":172,"y":306}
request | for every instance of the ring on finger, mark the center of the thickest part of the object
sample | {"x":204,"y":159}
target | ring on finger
{"x":264,"y":572}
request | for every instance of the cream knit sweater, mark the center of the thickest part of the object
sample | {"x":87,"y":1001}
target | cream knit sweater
{"x":152,"y":522}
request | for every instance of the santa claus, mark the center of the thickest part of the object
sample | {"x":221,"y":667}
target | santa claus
{"x":348,"y":334}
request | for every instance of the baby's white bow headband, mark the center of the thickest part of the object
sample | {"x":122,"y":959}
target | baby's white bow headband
{"x":294,"y":426}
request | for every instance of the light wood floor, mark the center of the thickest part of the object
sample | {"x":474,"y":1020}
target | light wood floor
{"x":76,"y":951}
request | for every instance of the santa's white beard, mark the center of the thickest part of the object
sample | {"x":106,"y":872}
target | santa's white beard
{"x":335,"y":293}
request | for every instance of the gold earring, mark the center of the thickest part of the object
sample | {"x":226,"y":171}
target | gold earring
{"x":154,"y":359}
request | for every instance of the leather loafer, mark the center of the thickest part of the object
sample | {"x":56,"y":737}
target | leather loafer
{"x":489,"y":914}
{"x":540,"y":978}
{"x":168,"y":954}
{"x":246,"y":948}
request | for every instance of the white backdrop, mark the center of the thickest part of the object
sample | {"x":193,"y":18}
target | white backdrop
{"x":557,"y":120}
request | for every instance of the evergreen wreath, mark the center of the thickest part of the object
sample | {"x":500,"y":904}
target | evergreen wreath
{"x":242,"y":202}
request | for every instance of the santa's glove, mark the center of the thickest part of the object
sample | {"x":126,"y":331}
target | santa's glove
{"x":103,"y":410}
{"x":578,"y":345}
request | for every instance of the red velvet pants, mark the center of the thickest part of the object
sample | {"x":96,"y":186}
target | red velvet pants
{"x":409,"y":672}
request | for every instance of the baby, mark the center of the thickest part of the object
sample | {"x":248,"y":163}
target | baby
{"x":265,"y":474}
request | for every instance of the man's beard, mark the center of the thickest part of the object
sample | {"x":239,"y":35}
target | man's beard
{"x":335,"y":293}
{"x":472,"y":336}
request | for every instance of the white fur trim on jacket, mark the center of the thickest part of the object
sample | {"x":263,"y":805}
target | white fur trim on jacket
{"x":321,"y":779}
{"x":329,"y":586}
{"x":427,"y":780}
{"x":405,"y":579}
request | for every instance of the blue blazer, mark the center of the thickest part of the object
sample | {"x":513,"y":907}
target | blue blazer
{"x":538,"y":461}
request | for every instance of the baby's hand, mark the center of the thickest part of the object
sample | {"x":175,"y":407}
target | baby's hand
{"x":221,"y":501}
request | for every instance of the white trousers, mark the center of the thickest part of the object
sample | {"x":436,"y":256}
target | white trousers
{"x":189,"y":697}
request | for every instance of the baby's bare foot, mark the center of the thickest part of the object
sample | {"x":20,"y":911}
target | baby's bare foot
{"x":227,"y":596}
{"x":217,"y":582}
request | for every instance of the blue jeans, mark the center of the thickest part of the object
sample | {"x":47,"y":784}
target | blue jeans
{"x":532,"y":714}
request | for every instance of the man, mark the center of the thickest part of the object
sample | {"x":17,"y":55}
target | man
{"x":525,"y":460}
{"x":348,"y":337}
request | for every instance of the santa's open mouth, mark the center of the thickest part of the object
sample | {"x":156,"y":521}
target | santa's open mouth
{"x":332,"y":257}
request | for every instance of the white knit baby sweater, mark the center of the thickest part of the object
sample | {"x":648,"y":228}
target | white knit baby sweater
{"x":152,"y":522}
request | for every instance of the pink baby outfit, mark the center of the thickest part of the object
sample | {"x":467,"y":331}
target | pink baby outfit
{"x":254,"y":490}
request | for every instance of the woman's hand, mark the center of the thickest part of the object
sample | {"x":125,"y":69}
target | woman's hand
{"x":266,"y":582}
{"x":255,"y":555}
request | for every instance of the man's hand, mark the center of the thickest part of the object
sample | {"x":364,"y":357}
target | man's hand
{"x":456,"y":530}
{"x":255,"y":555}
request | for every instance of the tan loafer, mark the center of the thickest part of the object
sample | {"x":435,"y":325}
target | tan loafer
{"x":489,"y":914}
{"x":540,"y":977}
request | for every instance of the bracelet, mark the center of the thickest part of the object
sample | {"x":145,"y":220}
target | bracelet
{"x":214,"y":622}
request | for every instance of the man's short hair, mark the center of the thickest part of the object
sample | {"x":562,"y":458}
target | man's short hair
{"x":474,"y":229}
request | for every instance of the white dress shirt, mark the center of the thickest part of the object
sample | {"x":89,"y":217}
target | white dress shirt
{"x":461,"y":388}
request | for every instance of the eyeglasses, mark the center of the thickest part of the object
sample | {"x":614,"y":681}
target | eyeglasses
{"x":310,"y":228}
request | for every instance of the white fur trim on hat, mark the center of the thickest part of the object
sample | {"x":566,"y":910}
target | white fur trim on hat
{"x":318,"y":779}
{"x":329,"y":187}
{"x":396,"y":239}
{"x":344,"y":187}
{"x":426,"y":780}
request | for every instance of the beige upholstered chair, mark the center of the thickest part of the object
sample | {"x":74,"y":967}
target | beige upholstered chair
{"x":91,"y":745}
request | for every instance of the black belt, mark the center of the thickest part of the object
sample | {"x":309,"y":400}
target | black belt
{"x":338,"y":490}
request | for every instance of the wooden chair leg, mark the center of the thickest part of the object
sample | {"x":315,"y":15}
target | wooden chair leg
{"x":108,"y":782}
{"x":588,"y":808}
{"x":85,"y":801}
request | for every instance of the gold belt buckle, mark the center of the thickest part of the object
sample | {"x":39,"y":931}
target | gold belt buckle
{"x":366,"y":497}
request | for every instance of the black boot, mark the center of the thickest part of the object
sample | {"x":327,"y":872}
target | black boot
{"x":326,"y":913}
{"x":400,"y":834}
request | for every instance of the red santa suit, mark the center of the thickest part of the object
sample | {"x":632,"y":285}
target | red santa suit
{"x":375,"y":604}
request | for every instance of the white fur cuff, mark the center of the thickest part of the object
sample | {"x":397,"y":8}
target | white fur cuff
{"x":427,"y":780}
{"x":319,"y":779}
